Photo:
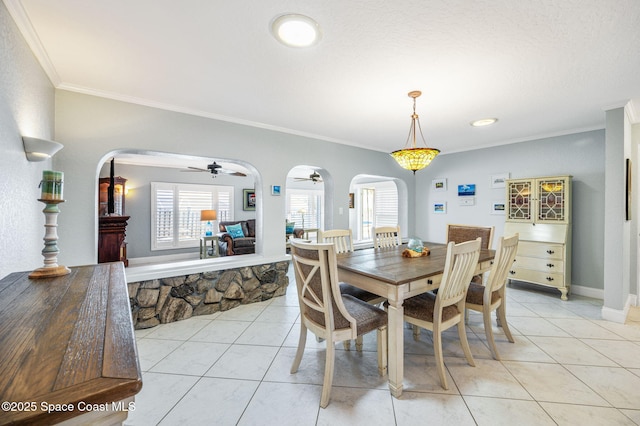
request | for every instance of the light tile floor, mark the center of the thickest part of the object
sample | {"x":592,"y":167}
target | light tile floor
{"x":567,"y":367}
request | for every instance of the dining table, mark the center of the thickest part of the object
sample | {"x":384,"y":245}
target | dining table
{"x":385,"y":272}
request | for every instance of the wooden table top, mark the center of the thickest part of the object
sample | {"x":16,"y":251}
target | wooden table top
{"x":65,"y":340}
{"x":388,"y":265}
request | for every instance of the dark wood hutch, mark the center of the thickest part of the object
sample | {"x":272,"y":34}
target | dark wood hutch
{"x":112,"y":246}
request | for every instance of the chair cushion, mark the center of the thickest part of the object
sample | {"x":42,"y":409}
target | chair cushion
{"x":475,"y":294}
{"x":358,"y":293}
{"x":367,"y":316}
{"x":421,"y":307}
{"x":235,"y":231}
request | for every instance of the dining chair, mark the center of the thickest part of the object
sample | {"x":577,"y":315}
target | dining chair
{"x":329,"y":314}
{"x":491,"y":296}
{"x":441,"y":311}
{"x":386,"y":236}
{"x":461,"y":233}
{"x":342,"y":240}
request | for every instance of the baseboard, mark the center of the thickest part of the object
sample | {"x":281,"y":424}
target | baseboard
{"x":596,"y":293}
{"x":619,"y":315}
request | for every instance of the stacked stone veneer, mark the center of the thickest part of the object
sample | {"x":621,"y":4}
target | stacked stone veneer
{"x":165,"y":300}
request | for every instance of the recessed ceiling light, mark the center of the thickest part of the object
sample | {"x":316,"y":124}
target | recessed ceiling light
{"x":484,"y":122}
{"x":295,"y":30}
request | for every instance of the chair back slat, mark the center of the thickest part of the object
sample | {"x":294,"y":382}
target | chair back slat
{"x":460,"y":264}
{"x":342,"y":239}
{"x":502,"y":263}
{"x":461,"y":233}
{"x":386,"y":236}
{"x":317,"y":284}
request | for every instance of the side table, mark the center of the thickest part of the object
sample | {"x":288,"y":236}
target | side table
{"x":204,"y":248}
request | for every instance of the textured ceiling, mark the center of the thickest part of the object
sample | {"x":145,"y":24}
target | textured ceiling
{"x":543,"y":67}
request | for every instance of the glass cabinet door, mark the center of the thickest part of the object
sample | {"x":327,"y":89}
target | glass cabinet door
{"x":552,"y":200}
{"x":519,"y":200}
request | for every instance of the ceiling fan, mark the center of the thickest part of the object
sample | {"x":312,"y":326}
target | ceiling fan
{"x":314,"y":177}
{"x":215,"y":169}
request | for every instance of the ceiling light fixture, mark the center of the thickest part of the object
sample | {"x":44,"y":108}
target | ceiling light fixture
{"x":295,"y":30}
{"x":484,"y":122}
{"x":411,"y":157}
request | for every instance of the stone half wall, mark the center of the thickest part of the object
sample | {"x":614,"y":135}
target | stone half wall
{"x":166,"y":300}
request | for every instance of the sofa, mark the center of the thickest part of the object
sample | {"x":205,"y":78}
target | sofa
{"x":245,"y":243}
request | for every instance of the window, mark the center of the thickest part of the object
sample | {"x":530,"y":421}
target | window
{"x":304,"y":207}
{"x":175,"y":208}
{"x":377,"y":205}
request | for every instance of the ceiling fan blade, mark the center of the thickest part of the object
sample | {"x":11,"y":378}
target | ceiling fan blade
{"x":194,"y":169}
{"x":231,"y":173}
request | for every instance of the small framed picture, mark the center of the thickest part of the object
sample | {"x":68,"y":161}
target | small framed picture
{"x":439,"y":185}
{"x":497,"y":207}
{"x":275,"y":189}
{"x":439,"y":207}
{"x":248,"y":199}
{"x":468,"y":190}
{"x":498,"y":181}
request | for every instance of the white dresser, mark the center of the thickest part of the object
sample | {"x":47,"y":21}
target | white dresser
{"x":539,"y":210}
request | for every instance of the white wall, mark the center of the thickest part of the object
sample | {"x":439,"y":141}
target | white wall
{"x":26,"y":108}
{"x":580,"y":155}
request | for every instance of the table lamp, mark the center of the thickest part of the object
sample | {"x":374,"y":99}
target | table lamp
{"x":208,"y":215}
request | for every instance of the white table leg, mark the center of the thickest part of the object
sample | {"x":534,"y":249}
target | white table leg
{"x":395,"y":314}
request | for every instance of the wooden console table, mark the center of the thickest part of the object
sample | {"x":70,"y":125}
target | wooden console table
{"x":67,"y":346}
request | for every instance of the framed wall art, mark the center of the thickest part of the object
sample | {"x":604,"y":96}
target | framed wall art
{"x":275,"y":189}
{"x":468,"y":190}
{"x":439,"y":207}
{"x":439,"y":185}
{"x":248,"y":199}
{"x":628,"y":188}
{"x":497,"y":207}
{"x":499,"y":180}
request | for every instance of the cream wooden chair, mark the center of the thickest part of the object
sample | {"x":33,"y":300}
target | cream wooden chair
{"x":439,"y":312}
{"x":461,"y":233}
{"x":386,"y":236}
{"x":342,"y":240}
{"x":329,"y":314}
{"x":491,"y":296}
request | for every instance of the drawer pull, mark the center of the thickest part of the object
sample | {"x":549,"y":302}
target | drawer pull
{"x":429,"y":282}
{"x":549,"y":278}
{"x":512,"y":272}
{"x":550,"y":265}
{"x":550,"y":251}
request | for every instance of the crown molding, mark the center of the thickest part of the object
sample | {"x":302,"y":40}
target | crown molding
{"x":19,"y":15}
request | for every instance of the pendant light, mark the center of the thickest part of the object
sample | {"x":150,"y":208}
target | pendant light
{"x":411,"y":157}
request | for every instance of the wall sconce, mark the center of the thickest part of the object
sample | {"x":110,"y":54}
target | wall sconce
{"x":40,"y":149}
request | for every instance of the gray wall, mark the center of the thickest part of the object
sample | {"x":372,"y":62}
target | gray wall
{"x":26,"y":108}
{"x":580,"y":155}
{"x":93,"y":128}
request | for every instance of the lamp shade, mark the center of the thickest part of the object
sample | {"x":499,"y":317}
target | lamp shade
{"x":208,"y":215}
{"x":40,"y":149}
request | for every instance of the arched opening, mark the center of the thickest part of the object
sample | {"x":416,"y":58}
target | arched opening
{"x":377,"y":201}
{"x":307,"y":207}
{"x":164,"y":196}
